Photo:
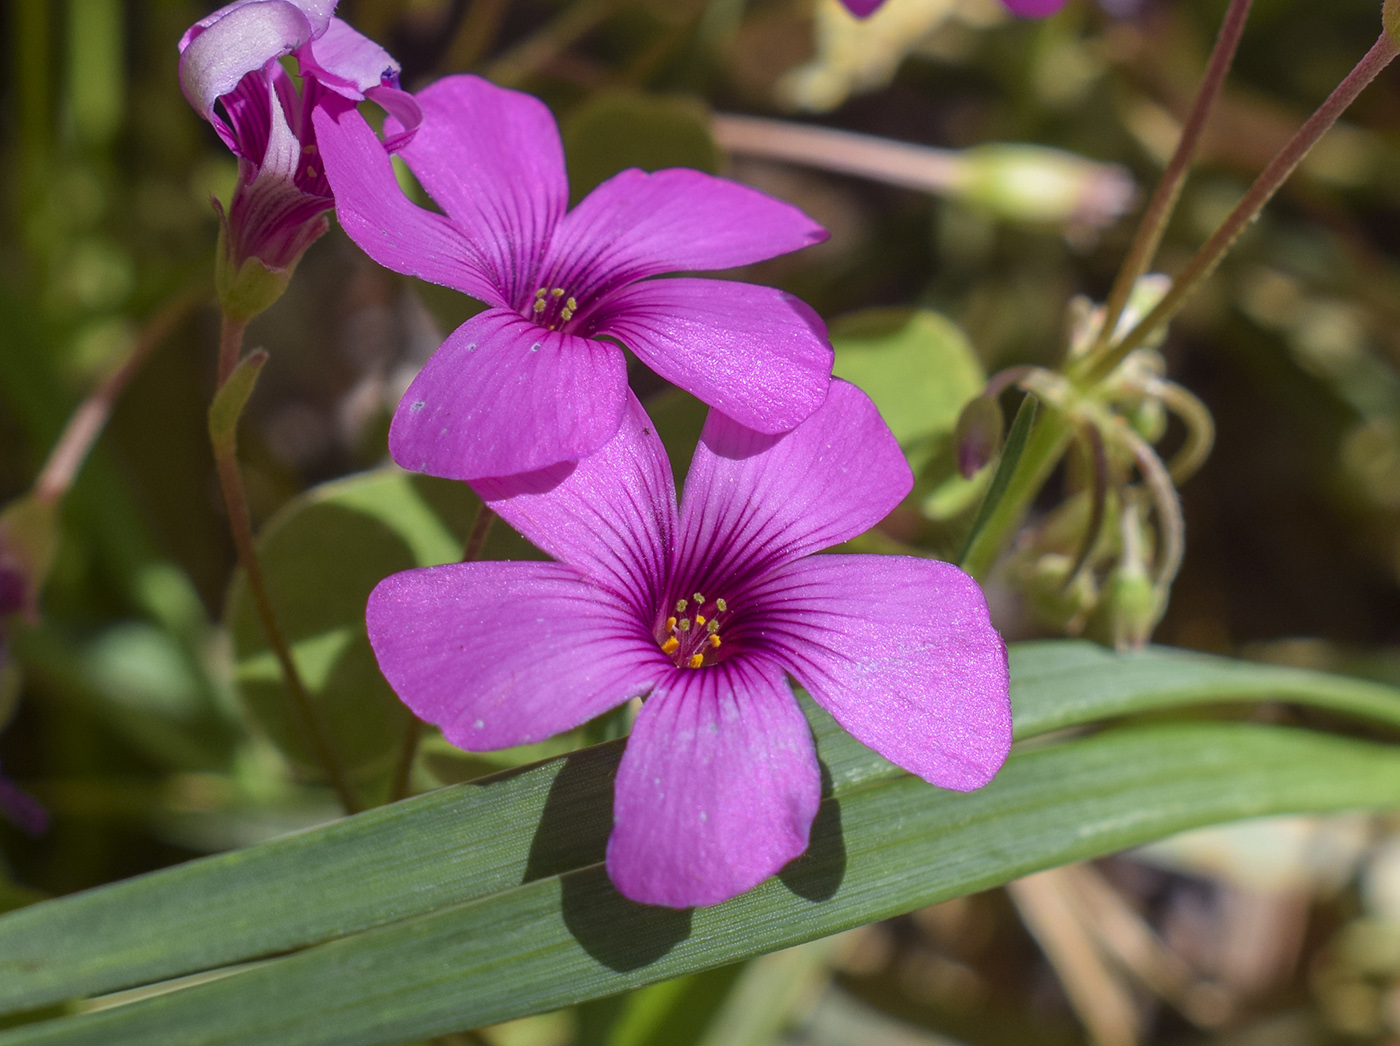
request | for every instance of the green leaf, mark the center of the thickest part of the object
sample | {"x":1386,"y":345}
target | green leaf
{"x":1006,"y":468}
{"x":563,"y":934}
{"x":615,"y":130}
{"x":323,"y":553}
{"x":918,"y":367}
{"x":471,"y":842}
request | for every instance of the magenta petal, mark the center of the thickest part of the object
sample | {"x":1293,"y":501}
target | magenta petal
{"x":504,"y":654}
{"x":375,"y":213}
{"x":493,"y":160}
{"x":717,"y":789}
{"x":902,"y":652}
{"x":612,"y":516}
{"x":503,"y":396}
{"x":755,"y":353}
{"x":752,"y":501}
{"x":637,"y":224}
{"x":236,"y":42}
{"x":862,"y":8}
{"x":1033,"y":8}
{"x":346,"y":61}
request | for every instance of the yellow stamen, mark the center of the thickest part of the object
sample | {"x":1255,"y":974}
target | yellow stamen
{"x":539,"y":306}
{"x":699,"y":598}
{"x":558,"y":292}
{"x":696,"y":660}
{"x":670,"y":624}
{"x":541,"y":293}
{"x":699,"y":619}
{"x":670,"y":646}
{"x":566,"y":314}
{"x":684,"y":624}
{"x":571,"y":305}
{"x":712,"y":626}
{"x":714,"y":640}
{"x":681,"y":604}
{"x":721,"y":604}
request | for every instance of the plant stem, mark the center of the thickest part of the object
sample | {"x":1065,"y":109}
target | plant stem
{"x":401,"y":786}
{"x":1199,"y":268}
{"x":1159,"y":210}
{"x":87,"y":422}
{"x":241,"y":527}
{"x":1050,"y":435}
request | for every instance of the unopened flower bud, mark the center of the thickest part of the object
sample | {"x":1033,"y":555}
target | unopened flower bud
{"x":978,"y":435}
{"x":1042,"y":186}
{"x":1132,"y":607}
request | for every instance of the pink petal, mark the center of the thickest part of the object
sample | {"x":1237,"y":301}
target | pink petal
{"x":493,"y":160}
{"x":346,"y":61}
{"x":637,"y":224}
{"x":717,"y":789}
{"x":1033,"y":8}
{"x":237,"y":40}
{"x":862,"y":8}
{"x":901,"y":651}
{"x":612,"y":515}
{"x":505,"y":654}
{"x":375,"y":213}
{"x":757,"y":354}
{"x":503,"y":395}
{"x":752,"y":501}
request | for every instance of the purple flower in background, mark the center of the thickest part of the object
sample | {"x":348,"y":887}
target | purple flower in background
{"x":537,"y":378}
{"x":707,"y":611}
{"x":21,"y":809}
{"x":1020,"y":8}
{"x":16,"y":806}
{"x":229,"y":60}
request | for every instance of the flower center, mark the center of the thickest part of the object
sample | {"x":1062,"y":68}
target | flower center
{"x":553,"y":307}
{"x":690,"y":635}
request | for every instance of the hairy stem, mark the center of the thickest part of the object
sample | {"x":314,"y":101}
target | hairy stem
{"x":87,"y":422}
{"x":1159,"y":210}
{"x":1200,"y":267}
{"x":308,"y":716}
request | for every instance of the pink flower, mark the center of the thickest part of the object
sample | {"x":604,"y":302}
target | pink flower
{"x":231,"y":58}
{"x":1020,"y":8}
{"x":538,"y":377}
{"x":706,"y":612}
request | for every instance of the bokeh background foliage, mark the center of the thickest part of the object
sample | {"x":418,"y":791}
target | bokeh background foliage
{"x":143,"y":709}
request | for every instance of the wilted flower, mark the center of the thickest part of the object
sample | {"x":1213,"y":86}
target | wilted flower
{"x":705,"y":613}
{"x":230,"y":60}
{"x":538,"y":378}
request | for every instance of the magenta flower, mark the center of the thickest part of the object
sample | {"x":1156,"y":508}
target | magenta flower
{"x":231,"y":58}
{"x":707,"y":611}
{"x":538,"y":377}
{"x":1020,"y":8}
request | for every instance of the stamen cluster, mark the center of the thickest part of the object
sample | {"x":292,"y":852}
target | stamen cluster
{"x":693,"y":641}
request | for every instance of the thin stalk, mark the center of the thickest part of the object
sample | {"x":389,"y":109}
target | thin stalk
{"x":402,"y":783}
{"x":476,"y":34}
{"x":1159,"y":210}
{"x":1200,"y":267}
{"x":241,"y":528}
{"x":87,"y":422}
{"x":534,"y":53}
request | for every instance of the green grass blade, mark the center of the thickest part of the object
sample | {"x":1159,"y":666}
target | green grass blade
{"x":881,"y":849}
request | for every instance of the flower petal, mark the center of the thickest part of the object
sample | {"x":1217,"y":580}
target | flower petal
{"x":504,"y":654}
{"x":493,"y":160}
{"x":611,"y":516}
{"x":1033,"y":8}
{"x":219,"y":51}
{"x":757,"y":354}
{"x":375,"y":213}
{"x":902,"y":652}
{"x":347,"y":61}
{"x":752,"y":501}
{"x":637,"y":224}
{"x":503,"y":395}
{"x":717,"y":789}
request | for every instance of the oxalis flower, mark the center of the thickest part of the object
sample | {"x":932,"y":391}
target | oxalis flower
{"x":704,"y":613}
{"x":539,"y":378}
{"x":229,"y":60}
{"x":1019,"y":8}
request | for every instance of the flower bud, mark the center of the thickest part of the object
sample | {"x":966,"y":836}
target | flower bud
{"x":978,"y":435}
{"x":1132,"y":606}
{"x":1042,"y":186}
{"x":1058,"y":601}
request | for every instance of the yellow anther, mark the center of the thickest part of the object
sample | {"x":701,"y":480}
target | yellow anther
{"x":721,"y":604}
{"x":670,"y":646}
{"x":699,"y":598}
{"x":539,"y":306}
{"x":670,"y":624}
{"x":712,"y":626}
{"x":714,"y":640}
{"x":541,"y":292}
{"x":566,"y":314}
{"x":684,"y":624}
{"x":558,"y":292}
{"x":571,"y":305}
{"x":696,"y":660}
{"x":699,"y":619}
{"x":681,"y":604}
